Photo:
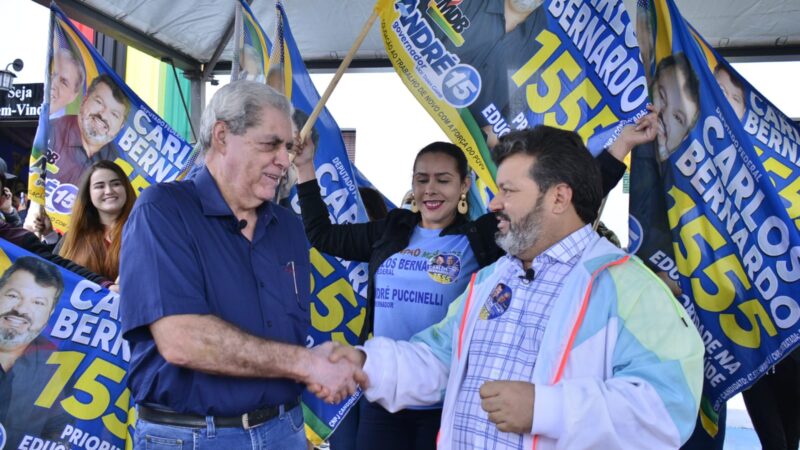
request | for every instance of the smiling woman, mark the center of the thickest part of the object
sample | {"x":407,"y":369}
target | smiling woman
{"x":105,"y":199}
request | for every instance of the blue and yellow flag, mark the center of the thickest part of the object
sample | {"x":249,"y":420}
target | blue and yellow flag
{"x":482,"y":71}
{"x":64,"y":361}
{"x":339,"y":287}
{"x":715,"y":204}
{"x":89,"y":115}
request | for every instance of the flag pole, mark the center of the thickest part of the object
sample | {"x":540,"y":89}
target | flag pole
{"x":339,"y":72}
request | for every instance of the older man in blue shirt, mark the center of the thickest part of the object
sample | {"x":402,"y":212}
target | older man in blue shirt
{"x":215,"y":291}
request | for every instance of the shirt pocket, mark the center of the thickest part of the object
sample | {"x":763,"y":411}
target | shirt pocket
{"x":287,"y":311}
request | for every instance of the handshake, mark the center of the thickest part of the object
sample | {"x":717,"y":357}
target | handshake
{"x":335,"y":371}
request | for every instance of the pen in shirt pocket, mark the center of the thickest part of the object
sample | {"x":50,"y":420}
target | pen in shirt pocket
{"x":290,"y":267}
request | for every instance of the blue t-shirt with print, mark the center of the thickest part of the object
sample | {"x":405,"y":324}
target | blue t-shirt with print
{"x":414,"y":287}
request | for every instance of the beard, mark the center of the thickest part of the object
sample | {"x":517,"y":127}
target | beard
{"x":10,"y":339}
{"x":92,"y":134}
{"x":523,"y":234}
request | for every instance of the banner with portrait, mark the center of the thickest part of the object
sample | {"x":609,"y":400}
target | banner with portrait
{"x":339,"y":287}
{"x":485,"y":68}
{"x":63,"y":361}
{"x":90,"y":114}
{"x":715,"y":205}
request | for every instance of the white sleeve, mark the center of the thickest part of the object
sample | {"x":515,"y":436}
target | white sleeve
{"x":403,"y":374}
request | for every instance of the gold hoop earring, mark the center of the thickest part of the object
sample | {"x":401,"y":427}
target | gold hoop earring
{"x":463,"y":206}
{"x":414,"y":208}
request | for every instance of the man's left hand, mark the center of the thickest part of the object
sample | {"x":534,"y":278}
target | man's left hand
{"x":509,"y":404}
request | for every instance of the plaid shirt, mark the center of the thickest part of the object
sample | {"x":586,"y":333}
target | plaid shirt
{"x":505,"y":346}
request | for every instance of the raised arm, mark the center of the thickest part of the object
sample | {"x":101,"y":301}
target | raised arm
{"x":349,"y":241}
{"x":611,"y":160}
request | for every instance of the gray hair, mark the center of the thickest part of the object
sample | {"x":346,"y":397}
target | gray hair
{"x":239,"y":105}
{"x":68,"y":56}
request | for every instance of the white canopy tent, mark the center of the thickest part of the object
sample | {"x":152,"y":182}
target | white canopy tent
{"x":195,"y":34}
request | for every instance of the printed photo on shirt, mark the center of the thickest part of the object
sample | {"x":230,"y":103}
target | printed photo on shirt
{"x":497,"y":303}
{"x":444,"y":268}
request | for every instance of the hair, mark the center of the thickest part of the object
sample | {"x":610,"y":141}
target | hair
{"x":44,"y":274}
{"x":373,"y":203}
{"x":450,"y":150}
{"x":3,"y":182}
{"x":85,"y":241}
{"x":70,"y":56}
{"x":116,"y":91}
{"x":735,"y":80}
{"x":239,"y":104}
{"x":561,"y":157}
{"x":299,"y":117}
{"x":681,"y":64}
{"x":608,"y":233}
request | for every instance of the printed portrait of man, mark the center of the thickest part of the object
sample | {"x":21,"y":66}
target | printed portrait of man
{"x":495,"y":295}
{"x":29,"y":291}
{"x":675,"y":92}
{"x":66,"y":81}
{"x":500,"y":38}
{"x":732,"y":88}
{"x":250,"y":63}
{"x":76,"y":142}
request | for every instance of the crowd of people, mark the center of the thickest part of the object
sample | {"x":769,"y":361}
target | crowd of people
{"x":538,"y":332}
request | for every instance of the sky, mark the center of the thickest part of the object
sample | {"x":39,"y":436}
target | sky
{"x":390,"y":125}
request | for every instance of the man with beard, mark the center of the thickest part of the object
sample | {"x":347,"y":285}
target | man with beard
{"x":29,"y":290}
{"x":79,"y":141}
{"x":590,"y":351}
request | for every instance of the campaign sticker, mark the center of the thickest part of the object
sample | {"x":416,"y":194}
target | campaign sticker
{"x":497,"y":303}
{"x":444,"y":268}
{"x":3,"y":437}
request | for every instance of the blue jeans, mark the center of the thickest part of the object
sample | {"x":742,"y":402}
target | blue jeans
{"x":285,"y":432}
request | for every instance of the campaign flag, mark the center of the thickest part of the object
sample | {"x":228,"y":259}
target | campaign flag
{"x":63,"y":361}
{"x":339,"y":287}
{"x":90,"y":114}
{"x":363,"y":182}
{"x":715,"y":203}
{"x":484,"y":68}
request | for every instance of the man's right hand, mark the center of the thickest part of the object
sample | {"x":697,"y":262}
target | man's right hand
{"x":335,"y":373}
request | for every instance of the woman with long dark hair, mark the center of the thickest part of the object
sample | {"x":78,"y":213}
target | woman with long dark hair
{"x":104,"y":201}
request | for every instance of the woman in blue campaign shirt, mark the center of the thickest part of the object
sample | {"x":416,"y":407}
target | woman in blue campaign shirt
{"x":419,"y":262}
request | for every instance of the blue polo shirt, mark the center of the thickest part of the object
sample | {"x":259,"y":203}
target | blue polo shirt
{"x":183,"y":253}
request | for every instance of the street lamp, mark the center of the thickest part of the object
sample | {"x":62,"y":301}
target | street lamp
{"x":7,"y":76}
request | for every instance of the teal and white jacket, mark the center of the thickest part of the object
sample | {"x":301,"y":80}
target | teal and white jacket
{"x":620,"y":364}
